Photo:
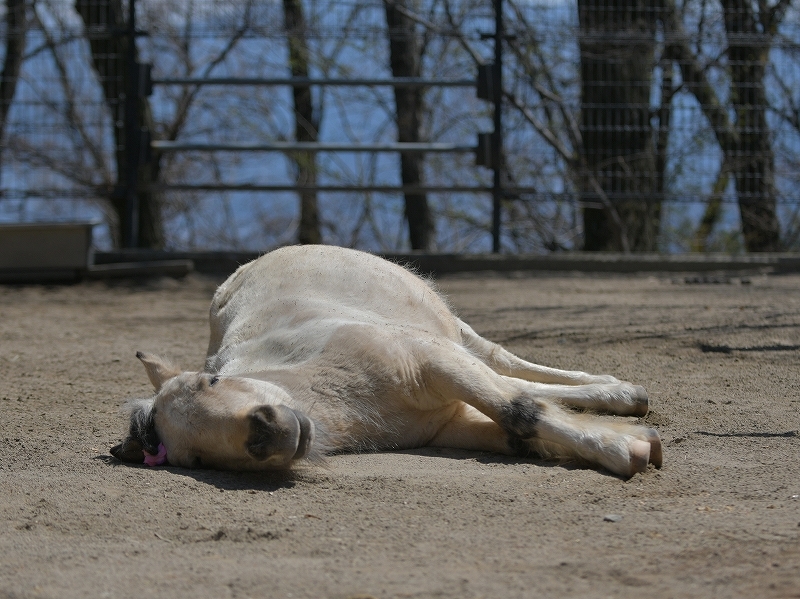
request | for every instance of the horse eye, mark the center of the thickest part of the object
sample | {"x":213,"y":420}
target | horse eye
{"x":214,"y":381}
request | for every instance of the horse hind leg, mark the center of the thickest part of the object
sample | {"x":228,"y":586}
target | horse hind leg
{"x":601,"y":392}
{"x":621,"y":399}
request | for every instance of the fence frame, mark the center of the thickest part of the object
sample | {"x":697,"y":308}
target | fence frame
{"x":488,"y":151}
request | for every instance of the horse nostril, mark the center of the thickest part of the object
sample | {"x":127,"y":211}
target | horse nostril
{"x":276,"y":434}
{"x":263,"y":415}
{"x":265,"y":433}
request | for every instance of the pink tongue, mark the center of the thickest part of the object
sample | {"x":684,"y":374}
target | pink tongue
{"x":157,"y":459}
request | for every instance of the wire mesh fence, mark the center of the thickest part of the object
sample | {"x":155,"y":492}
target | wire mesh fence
{"x":627,"y":125}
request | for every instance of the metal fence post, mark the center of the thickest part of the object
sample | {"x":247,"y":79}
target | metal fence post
{"x":497,"y":138}
{"x":130,"y":232}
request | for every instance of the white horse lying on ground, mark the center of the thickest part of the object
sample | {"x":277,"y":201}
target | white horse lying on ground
{"x":317,"y":350}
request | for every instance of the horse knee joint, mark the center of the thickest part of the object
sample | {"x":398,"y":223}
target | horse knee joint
{"x":520,"y":417}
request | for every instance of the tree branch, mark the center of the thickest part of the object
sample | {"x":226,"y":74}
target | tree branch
{"x":695,"y":79}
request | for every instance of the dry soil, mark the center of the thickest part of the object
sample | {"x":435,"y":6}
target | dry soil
{"x":720,"y":358}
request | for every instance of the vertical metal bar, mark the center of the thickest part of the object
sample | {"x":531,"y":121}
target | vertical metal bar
{"x":130,"y":233}
{"x":497,"y":138}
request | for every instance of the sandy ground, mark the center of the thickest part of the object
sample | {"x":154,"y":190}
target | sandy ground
{"x":721,"y":519}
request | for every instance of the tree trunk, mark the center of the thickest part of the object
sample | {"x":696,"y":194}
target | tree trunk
{"x":745,"y":139}
{"x":713,"y":211}
{"x":617,"y":51}
{"x":16,"y":27}
{"x":306,"y":121}
{"x":110,"y":61}
{"x":750,"y":155}
{"x":405,"y":61}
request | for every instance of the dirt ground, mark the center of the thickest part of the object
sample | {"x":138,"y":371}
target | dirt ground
{"x":721,"y":519}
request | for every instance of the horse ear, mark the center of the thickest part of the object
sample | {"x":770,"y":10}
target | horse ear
{"x":130,"y":450}
{"x":159,"y":370}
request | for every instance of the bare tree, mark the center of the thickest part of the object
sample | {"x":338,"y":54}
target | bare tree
{"x":307,"y":120}
{"x":16,"y":29}
{"x":174,"y":43}
{"x":405,"y":58}
{"x":559,"y":114}
{"x":104,"y":20}
{"x":745,"y":140}
{"x":176,"y":47}
{"x":712,"y":211}
{"x":60,"y":91}
{"x":542,"y":132}
{"x":753,"y":160}
{"x":617,"y":54}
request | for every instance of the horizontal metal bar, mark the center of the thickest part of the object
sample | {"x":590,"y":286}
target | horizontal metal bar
{"x":101,"y":194}
{"x":405,"y":82}
{"x":293,"y":146}
{"x":320,"y":188}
